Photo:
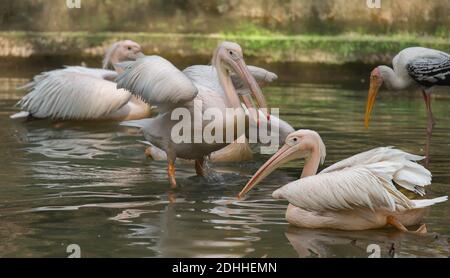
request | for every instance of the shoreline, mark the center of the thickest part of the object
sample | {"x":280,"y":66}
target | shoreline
{"x":333,"y":50}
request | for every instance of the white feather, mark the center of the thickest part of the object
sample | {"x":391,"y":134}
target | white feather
{"x":429,"y":202}
{"x":155,"y":80}
{"x":363,"y":180}
{"x":73,"y":93}
{"x":409,"y":175}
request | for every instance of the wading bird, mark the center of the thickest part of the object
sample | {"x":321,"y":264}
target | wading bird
{"x":357,"y":193}
{"x":80,"y":93}
{"x":155,"y":80}
{"x":414,"y":67}
{"x":234,"y":152}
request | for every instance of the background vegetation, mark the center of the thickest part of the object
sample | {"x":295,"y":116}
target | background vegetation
{"x":328,"y":31}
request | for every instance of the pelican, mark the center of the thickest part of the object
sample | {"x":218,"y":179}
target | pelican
{"x":413,"y":67}
{"x":80,"y":93}
{"x":357,"y":193}
{"x":234,"y":152}
{"x":157,"y":81}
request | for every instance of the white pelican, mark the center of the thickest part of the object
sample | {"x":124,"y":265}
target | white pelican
{"x":414,"y":67}
{"x":234,"y":152}
{"x":357,"y":193}
{"x":80,"y":93}
{"x":157,"y":81}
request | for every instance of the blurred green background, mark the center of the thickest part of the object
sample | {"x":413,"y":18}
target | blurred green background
{"x":244,"y":16}
{"x":324,"y":31}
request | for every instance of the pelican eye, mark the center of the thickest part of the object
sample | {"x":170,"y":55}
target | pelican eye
{"x":292,"y":142}
{"x":129,"y":48}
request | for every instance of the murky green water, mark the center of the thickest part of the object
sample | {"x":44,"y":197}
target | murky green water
{"x":90,"y":184}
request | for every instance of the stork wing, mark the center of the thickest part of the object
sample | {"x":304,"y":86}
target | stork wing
{"x":431,"y":70}
{"x":411,"y":175}
{"x":357,"y":187}
{"x":74,"y":93}
{"x":155,"y":80}
{"x":207,"y":76}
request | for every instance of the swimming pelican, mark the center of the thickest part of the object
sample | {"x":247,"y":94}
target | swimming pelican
{"x":413,"y":67}
{"x":357,"y":193}
{"x":80,"y":93}
{"x":157,"y":81}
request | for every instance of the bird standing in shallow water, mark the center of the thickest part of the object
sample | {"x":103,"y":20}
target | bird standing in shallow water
{"x":414,"y":67}
{"x":357,"y":193}
{"x":157,"y":81}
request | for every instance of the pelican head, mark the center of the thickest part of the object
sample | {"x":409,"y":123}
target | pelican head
{"x":126,"y":50}
{"x":299,"y":144}
{"x":227,"y":58}
{"x":376,"y":80}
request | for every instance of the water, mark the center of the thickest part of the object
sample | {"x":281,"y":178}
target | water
{"x":90,"y":184}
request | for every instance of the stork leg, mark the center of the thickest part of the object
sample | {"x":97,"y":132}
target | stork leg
{"x":200,"y":167}
{"x":430,"y":124}
{"x":392,"y":220}
{"x":171,"y":173}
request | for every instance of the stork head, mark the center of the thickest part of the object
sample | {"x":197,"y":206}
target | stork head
{"x":376,"y":80}
{"x":227,"y":58}
{"x":126,"y":50}
{"x":299,"y":144}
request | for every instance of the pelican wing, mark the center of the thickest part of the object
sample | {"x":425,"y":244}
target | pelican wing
{"x":155,"y":80}
{"x":431,"y":69}
{"x":207,"y":76}
{"x":74,"y":93}
{"x":261,"y":75}
{"x":97,"y":73}
{"x":347,"y":189}
{"x":411,"y":175}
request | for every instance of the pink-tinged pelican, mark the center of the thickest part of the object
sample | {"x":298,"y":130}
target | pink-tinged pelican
{"x":80,"y":93}
{"x":414,"y":67}
{"x":357,"y":193}
{"x":155,"y":80}
{"x":234,"y":152}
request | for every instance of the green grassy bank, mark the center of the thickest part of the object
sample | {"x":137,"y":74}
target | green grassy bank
{"x":339,"y":49}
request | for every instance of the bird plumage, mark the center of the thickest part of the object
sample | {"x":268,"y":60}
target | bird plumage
{"x":155,"y":80}
{"x":357,"y":193}
{"x":74,"y":93}
{"x":365,"y":180}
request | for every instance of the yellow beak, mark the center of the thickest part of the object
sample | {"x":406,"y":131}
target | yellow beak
{"x":373,"y":91}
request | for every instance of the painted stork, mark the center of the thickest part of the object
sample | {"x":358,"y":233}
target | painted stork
{"x":357,"y":193}
{"x":414,"y":67}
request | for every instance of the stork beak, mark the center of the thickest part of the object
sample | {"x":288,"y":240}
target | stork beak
{"x":283,"y":155}
{"x":242,"y":70}
{"x":373,"y":91}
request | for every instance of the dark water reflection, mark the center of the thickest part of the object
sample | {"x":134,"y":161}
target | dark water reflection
{"x":90,"y":184}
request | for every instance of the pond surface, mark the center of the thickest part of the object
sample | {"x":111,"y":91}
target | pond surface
{"x":90,"y":184}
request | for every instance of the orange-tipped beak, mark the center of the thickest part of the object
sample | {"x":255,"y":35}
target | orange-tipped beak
{"x":282,"y":156}
{"x":373,"y":91}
